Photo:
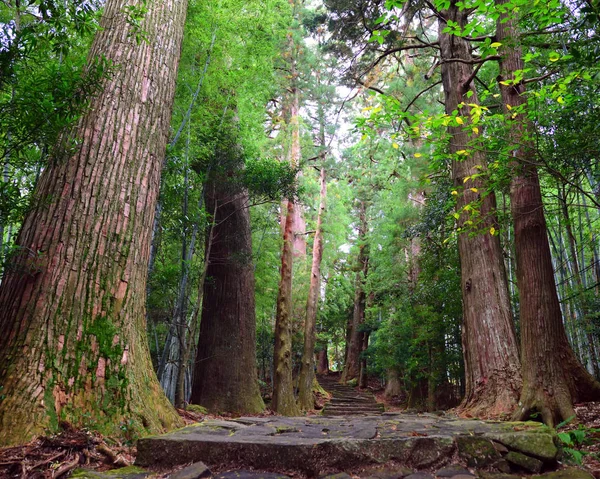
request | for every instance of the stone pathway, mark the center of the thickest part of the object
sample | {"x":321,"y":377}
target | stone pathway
{"x":347,"y":400}
{"x":412,"y":445}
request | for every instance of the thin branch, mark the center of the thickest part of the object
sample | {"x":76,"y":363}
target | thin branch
{"x":422,"y":92}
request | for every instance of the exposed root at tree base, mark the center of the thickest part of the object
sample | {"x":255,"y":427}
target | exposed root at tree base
{"x":62,"y":453}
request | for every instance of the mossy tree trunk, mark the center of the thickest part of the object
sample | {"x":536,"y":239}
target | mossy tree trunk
{"x":225,"y":374}
{"x":553,"y":378}
{"x":307,"y":368}
{"x":73,"y":340}
{"x":492,"y":366}
{"x":283,"y":401}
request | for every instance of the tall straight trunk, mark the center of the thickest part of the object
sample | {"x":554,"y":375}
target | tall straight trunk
{"x":363,"y":378}
{"x":492,"y":367}
{"x":283,"y":401}
{"x":73,"y":342}
{"x":307,"y":369}
{"x":354,"y":345}
{"x":579,"y":283}
{"x":553,"y":379}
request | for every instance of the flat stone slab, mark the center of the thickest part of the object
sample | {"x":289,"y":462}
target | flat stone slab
{"x":316,"y":445}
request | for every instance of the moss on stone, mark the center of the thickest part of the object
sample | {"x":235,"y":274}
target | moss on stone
{"x":196,"y":408}
{"x":531,"y":443}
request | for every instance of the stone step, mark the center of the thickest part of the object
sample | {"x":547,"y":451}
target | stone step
{"x":352,"y":410}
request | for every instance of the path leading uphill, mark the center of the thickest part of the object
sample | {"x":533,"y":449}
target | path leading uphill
{"x":347,"y":401}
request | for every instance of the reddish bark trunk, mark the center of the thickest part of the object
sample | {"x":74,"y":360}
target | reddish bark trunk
{"x":307,"y":369}
{"x":553,"y":379}
{"x":73,"y":340}
{"x":283,"y":401}
{"x":492,"y":366}
{"x":323,"y":361}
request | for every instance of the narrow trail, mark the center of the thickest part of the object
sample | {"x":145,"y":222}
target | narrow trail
{"x":347,"y":400}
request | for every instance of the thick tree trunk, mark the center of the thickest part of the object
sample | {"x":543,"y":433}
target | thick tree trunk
{"x":322,"y":360}
{"x":307,"y":369}
{"x":553,"y":379}
{"x":354,"y":345}
{"x":393,"y":386}
{"x":225,"y":377}
{"x":73,"y":342}
{"x":492,"y":367}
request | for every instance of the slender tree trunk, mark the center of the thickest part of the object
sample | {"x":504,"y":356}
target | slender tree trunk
{"x":492,"y":367}
{"x":73,"y":342}
{"x":352,"y":365}
{"x":553,"y":379}
{"x":307,"y":370}
{"x":363,"y":378}
{"x":283,"y":401}
{"x":579,"y":284}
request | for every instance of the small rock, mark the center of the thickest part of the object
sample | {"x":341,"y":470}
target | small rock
{"x":195,"y":471}
{"x":452,"y":471}
{"x":537,"y":444}
{"x":463,"y":476}
{"x":420,"y":475}
{"x":496,"y":475}
{"x":250,"y":475}
{"x":476,"y":451}
{"x":528,"y":463}
{"x":386,"y":473}
{"x":503,"y":466}
{"x":568,"y":473}
{"x":339,"y":475}
{"x":501,"y":448}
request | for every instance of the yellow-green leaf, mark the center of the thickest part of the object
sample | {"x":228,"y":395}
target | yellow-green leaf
{"x":418,"y":155}
{"x":459,"y":120}
{"x":492,"y":231}
{"x":495,"y":44}
{"x":395,"y":145}
{"x":454,"y":192}
{"x":560,"y":100}
{"x":476,"y":130}
{"x":474,"y":190}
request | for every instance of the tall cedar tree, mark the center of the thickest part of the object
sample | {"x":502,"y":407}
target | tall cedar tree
{"x":225,"y":376}
{"x":553,"y":378}
{"x":355,"y":333}
{"x":492,"y":367}
{"x":307,"y":368}
{"x":283,"y":401}
{"x":72,"y":302}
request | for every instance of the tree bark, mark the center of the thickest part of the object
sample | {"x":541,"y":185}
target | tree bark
{"x":283,"y":401}
{"x":225,"y":375}
{"x":354,"y":345}
{"x":393,"y":386}
{"x":492,"y":367}
{"x":73,"y":342}
{"x":307,"y":369}
{"x":553,"y":379}
{"x":322,"y":360}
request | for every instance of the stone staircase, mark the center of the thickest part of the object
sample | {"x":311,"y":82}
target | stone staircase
{"x":348,"y":401}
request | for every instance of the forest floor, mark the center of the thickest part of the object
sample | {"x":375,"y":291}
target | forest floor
{"x":59,"y":455}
